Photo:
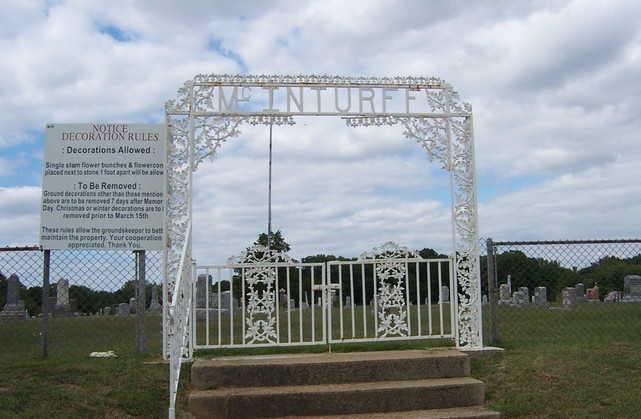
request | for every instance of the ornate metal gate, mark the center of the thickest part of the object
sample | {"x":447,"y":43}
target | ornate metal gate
{"x":390,"y":293}
{"x":264,"y":298}
{"x":260,"y":298}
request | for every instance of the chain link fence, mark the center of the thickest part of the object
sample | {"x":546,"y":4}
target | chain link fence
{"x":544,"y":291}
{"x":561,"y":291}
{"x":97,"y":301}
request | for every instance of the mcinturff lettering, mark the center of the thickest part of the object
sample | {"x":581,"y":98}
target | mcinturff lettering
{"x":318,"y":100}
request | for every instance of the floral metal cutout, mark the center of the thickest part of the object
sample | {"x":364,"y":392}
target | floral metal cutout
{"x":391,"y":274}
{"x":260,"y":275}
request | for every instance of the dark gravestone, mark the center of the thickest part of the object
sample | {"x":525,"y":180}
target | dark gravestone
{"x":14,"y":308}
{"x":154,"y":306}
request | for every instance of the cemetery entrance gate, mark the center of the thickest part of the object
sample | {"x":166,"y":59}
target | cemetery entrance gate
{"x":263,"y":298}
{"x":211,"y":109}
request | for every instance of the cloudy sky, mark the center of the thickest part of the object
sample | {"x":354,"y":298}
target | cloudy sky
{"x":555,"y":88}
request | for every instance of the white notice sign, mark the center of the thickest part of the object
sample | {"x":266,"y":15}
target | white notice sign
{"x":103,"y":187}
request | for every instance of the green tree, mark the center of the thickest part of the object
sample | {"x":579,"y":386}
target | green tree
{"x":276,"y":243}
{"x":32,"y":298}
{"x":608,"y":272}
{"x":3,"y":290}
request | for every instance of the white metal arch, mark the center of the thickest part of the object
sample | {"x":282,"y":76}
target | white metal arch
{"x":210,"y":109}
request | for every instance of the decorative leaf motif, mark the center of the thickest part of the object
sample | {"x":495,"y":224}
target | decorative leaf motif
{"x":391,"y":273}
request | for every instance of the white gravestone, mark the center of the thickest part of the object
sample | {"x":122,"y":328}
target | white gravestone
{"x":305,"y":304}
{"x":569,"y":298}
{"x":505,"y":294}
{"x":445,"y":294}
{"x":540,"y":297}
{"x":519,"y":298}
{"x":613,"y":297}
{"x":348,"y":302}
{"x":62,"y":294}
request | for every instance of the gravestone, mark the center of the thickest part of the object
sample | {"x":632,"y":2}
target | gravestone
{"x":282,"y":297}
{"x":228,"y":303}
{"x":154,"y":306}
{"x":333,"y":297}
{"x":526,"y":296}
{"x":62,"y":294}
{"x":580,"y":292}
{"x":631,"y":289}
{"x":106,"y":311}
{"x":123,"y":309}
{"x":484,"y":299}
{"x":14,"y":308}
{"x":445,"y":294}
{"x":612,"y":297}
{"x":203,"y":286}
{"x":305,"y":304}
{"x":374,"y":305}
{"x":62,"y":305}
{"x":570,"y":299}
{"x":592,"y":294}
{"x":540,"y":297}
{"x":520,"y":298}
{"x":132,"y":304}
{"x":505,"y":294}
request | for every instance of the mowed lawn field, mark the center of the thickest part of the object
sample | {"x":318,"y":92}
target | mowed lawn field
{"x":582,"y":363}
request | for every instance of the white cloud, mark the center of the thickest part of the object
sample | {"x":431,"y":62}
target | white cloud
{"x":555,"y":87}
{"x":20,"y":220}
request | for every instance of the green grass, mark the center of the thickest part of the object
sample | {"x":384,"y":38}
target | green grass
{"x":70,"y":384}
{"x":583,"y":363}
{"x":356,"y":321}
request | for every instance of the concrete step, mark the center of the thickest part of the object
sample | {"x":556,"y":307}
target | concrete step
{"x":311,"y":369}
{"x":410,"y":384}
{"x":470,"y":412}
{"x":337,"y":399}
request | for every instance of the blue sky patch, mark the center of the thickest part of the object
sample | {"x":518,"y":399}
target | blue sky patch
{"x":116,"y":33}
{"x":217,"y":46}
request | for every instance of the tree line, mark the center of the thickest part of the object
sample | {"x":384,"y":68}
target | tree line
{"x":608,"y":272}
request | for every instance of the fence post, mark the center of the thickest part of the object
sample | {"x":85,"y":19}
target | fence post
{"x":141,"y":302}
{"x":44,"y":331}
{"x":491,"y":287}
